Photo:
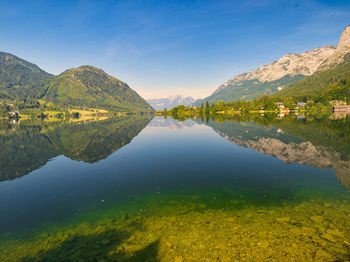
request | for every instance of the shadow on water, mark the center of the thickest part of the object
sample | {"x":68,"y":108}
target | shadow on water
{"x":105,"y":246}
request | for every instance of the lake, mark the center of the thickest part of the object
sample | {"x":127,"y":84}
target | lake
{"x":144,"y":188}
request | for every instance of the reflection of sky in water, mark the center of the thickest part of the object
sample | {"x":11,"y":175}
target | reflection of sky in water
{"x":190,"y":158}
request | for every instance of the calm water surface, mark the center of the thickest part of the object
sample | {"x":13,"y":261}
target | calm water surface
{"x":143,"y":189}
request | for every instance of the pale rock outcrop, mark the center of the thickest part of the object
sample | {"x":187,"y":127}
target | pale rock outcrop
{"x":342,"y":49}
{"x":305,"y":63}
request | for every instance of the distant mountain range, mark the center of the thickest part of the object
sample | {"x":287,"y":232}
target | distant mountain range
{"x":84,"y":87}
{"x":170,"y":102}
{"x":276,"y":76}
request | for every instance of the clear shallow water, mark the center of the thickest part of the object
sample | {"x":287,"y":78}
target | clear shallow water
{"x":129,"y":190}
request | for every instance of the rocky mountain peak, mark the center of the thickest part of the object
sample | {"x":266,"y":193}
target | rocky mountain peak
{"x":344,"y":42}
{"x":292,"y":64}
{"x":342,"y":49}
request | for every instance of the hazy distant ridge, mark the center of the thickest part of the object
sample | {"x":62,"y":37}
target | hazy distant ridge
{"x":170,"y":102}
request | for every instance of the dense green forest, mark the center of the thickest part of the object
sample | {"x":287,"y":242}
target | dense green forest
{"x":333,"y":83}
{"x":248,"y":90}
{"x":90,"y":87}
{"x":20,"y":79}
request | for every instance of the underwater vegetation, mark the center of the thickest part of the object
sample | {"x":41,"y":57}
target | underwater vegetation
{"x":196,"y":228}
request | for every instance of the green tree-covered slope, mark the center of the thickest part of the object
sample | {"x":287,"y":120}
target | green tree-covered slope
{"x":20,"y":79}
{"x":249,"y":89}
{"x":90,"y":87}
{"x":334,"y":81}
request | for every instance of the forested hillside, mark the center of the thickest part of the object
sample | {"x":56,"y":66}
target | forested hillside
{"x":330,"y":84}
{"x":20,"y":79}
{"x":88,"y":86}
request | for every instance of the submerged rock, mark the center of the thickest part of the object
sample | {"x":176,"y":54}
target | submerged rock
{"x":317,"y":219}
{"x":308,"y":231}
{"x":283,"y":219}
{"x":322,"y":255}
{"x":169,"y":244}
{"x":328,"y":237}
{"x":334,"y":232}
{"x":179,"y":259}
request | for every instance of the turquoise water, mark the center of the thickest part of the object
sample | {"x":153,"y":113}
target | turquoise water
{"x":179,"y":189}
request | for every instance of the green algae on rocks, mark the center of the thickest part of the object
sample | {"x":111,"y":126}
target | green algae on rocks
{"x":184,"y":230}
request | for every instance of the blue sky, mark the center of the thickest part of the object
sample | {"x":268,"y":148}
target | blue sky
{"x":163,"y":48}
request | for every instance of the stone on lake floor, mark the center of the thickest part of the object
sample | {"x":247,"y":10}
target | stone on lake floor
{"x":308,"y":231}
{"x":283,"y":219}
{"x":220,"y":246}
{"x":322,"y":255}
{"x":328,"y":237}
{"x":169,"y":244}
{"x":230,"y":219}
{"x":179,"y":259}
{"x":334,"y":232}
{"x":249,"y":215}
{"x":226,"y":259}
{"x":263,"y":244}
{"x":317,"y":219}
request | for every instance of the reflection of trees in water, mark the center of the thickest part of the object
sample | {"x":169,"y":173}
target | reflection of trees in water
{"x":319,"y":143}
{"x":28,"y":146}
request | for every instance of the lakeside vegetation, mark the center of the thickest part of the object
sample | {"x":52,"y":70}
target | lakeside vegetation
{"x":263,"y":104}
{"x":41,"y":109}
{"x":50,"y":112}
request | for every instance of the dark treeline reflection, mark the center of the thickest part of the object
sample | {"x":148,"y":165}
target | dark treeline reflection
{"x":322,"y":142}
{"x":29,"y":145}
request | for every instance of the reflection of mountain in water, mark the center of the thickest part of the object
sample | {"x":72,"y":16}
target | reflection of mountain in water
{"x":30,"y":145}
{"x":171,"y":123}
{"x":293,"y":142}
